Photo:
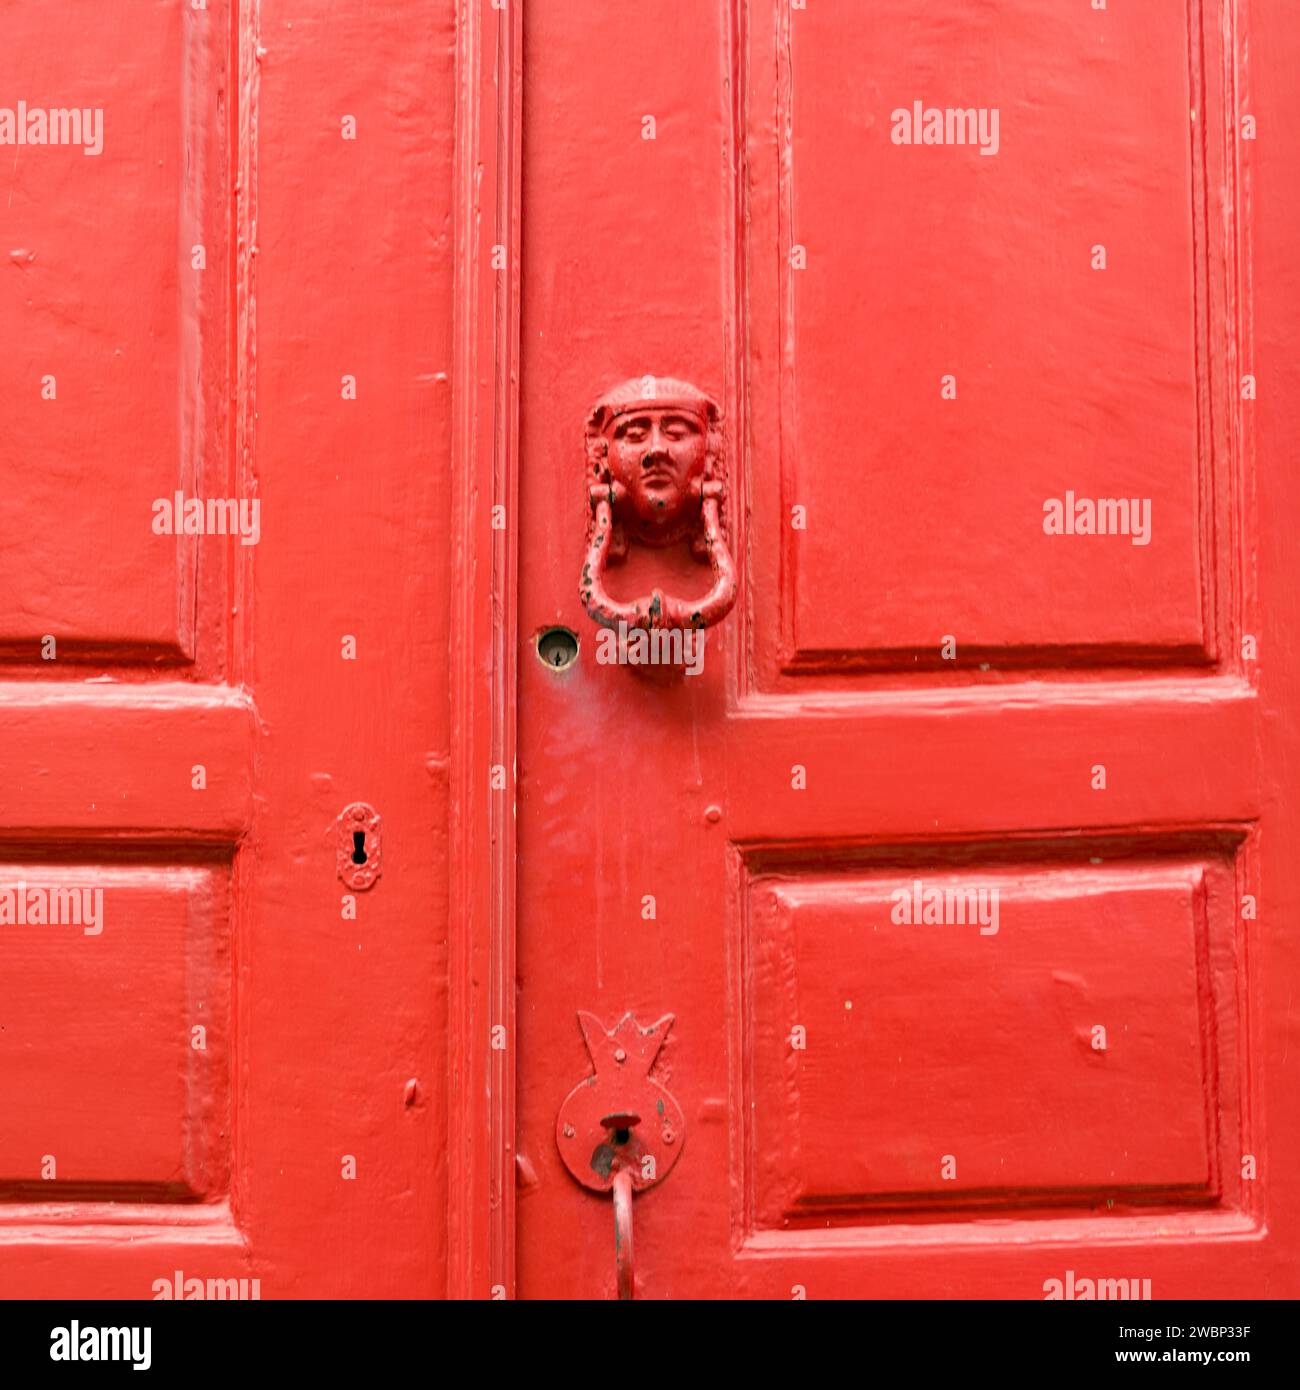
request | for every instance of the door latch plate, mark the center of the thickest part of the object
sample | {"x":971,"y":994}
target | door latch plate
{"x":621,"y":1118}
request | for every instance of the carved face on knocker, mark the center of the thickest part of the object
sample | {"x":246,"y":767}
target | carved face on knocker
{"x":655,"y":476}
{"x":657,"y":441}
{"x":658,"y":456}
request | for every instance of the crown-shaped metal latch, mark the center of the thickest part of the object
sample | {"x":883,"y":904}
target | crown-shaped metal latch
{"x":621,"y":1117}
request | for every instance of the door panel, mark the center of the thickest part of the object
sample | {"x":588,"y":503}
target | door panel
{"x":878,"y":271}
{"x":146,"y":1119}
{"x":134,"y":347}
{"x":1014,"y":1081}
{"x":922,"y":690}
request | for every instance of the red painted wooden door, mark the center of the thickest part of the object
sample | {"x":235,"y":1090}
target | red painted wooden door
{"x":965,"y":865}
{"x":949,"y":899}
{"x":226,"y":1071}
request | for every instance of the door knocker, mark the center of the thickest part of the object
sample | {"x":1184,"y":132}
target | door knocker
{"x":656,"y":476}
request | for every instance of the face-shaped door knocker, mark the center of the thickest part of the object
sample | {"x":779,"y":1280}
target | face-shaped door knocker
{"x":655,"y":476}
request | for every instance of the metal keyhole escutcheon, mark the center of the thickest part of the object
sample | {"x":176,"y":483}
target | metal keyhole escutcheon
{"x":557,"y":647}
{"x":358,"y":845}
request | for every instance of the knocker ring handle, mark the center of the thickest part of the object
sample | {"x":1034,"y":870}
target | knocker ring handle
{"x":657,"y":609}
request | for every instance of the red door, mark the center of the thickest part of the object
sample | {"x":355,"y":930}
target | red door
{"x":234,"y":1069}
{"x":933,"y":939}
{"x":376,"y":921}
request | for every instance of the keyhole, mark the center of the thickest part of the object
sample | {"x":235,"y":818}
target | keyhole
{"x":621,"y":1136}
{"x":358,"y":846}
{"x":557,"y":647}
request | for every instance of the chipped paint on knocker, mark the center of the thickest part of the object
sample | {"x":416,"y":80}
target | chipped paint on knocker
{"x":656,"y":477}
